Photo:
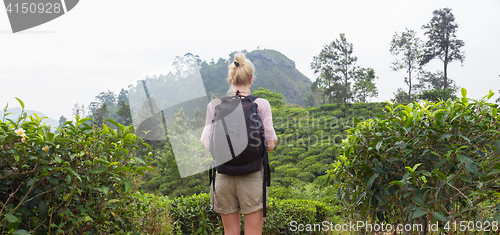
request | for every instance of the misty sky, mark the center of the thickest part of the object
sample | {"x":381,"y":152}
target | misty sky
{"x":107,"y":45}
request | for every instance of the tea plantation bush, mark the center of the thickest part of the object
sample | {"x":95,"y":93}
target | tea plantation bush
{"x":424,"y":162}
{"x":76,"y":180}
{"x":192,"y":215}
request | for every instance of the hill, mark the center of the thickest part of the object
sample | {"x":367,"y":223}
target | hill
{"x":273,"y":71}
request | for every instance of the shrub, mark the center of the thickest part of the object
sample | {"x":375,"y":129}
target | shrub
{"x":192,"y":215}
{"x":359,"y":105}
{"x":423,"y":162}
{"x":329,"y":107}
{"x":305,"y":176}
{"x":338,"y":114}
{"x":279,"y":192}
{"x":282,"y":212}
{"x":438,"y":94}
{"x":150,"y":214}
{"x":76,"y":180}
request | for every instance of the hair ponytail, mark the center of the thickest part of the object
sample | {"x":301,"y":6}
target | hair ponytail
{"x":241,"y":70}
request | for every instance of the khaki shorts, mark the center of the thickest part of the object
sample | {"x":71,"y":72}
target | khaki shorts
{"x":237,"y":193}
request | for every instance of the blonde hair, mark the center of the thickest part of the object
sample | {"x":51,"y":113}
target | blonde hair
{"x":241,"y":74}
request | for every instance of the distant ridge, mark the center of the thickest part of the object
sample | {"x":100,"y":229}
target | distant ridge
{"x":16,"y":112}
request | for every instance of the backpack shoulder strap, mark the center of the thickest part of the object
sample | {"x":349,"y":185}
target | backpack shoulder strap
{"x":266,"y":182}
{"x":252,"y":97}
{"x":222,"y":98}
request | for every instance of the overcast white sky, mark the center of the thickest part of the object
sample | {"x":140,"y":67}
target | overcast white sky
{"x":107,"y":45}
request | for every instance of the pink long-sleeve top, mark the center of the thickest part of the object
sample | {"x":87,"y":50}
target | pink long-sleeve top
{"x":265,"y":115}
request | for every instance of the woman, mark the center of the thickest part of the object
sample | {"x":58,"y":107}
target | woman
{"x":244,"y":193}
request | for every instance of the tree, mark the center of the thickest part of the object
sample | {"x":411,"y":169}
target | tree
{"x":309,"y":101}
{"x":92,"y":107}
{"x":443,"y":43}
{"x":79,"y":110}
{"x":122,"y":96}
{"x":101,"y":114}
{"x":431,"y":87}
{"x":107,"y":97}
{"x":337,"y":69}
{"x":62,"y":120}
{"x":185,"y":65}
{"x":316,"y":94}
{"x":275,"y":99}
{"x":364,"y":85}
{"x":431,"y":81}
{"x":402,"y":97}
{"x":410,"y":48}
{"x":123,"y":112}
{"x":198,"y":121}
{"x":321,"y":85}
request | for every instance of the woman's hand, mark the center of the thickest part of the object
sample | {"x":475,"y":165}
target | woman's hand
{"x":271,"y":144}
{"x":207,"y":147}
